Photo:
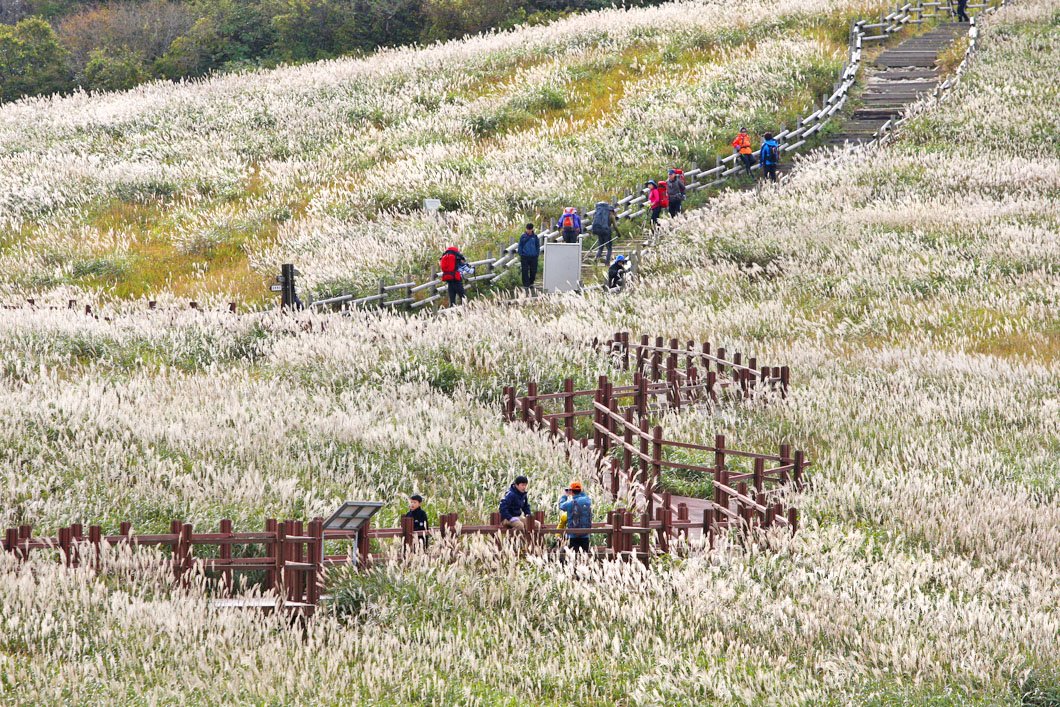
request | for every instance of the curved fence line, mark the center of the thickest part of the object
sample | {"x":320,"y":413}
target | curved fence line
{"x":634,"y":204}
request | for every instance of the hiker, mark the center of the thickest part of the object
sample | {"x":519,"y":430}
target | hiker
{"x":742,"y":146}
{"x":570,"y":225}
{"x":418,"y":516}
{"x":579,"y":509}
{"x":515,"y":508}
{"x":616,"y":274}
{"x":529,"y":251}
{"x":605,"y":228}
{"x":769,"y":156}
{"x":675,"y":190}
{"x":962,"y":11}
{"x":453,"y":265}
{"x":657,"y":200}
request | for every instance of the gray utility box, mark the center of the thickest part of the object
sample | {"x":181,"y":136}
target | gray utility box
{"x":563,"y":267}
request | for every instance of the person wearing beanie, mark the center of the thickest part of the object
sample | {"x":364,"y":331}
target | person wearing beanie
{"x":420,"y":523}
{"x":579,"y":509}
{"x":515,"y":507}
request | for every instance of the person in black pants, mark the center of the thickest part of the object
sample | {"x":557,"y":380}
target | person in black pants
{"x":962,"y":11}
{"x":529,"y":251}
{"x":418,"y":516}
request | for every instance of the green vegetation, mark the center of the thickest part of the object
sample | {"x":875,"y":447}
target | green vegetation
{"x":54,"y":46}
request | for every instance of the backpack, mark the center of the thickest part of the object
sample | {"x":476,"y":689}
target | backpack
{"x":581,"y":513}
{"x":448,"y":263}
{"x":567,"y":222}
{"x":768,"y":154}
{"x":602,"y":218}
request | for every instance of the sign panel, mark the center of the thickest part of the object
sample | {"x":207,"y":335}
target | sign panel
{"x":563,"y":267}
{"x":276,"y":288}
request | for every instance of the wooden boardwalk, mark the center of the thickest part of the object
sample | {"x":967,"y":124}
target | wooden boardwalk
{"x":898,"y":77}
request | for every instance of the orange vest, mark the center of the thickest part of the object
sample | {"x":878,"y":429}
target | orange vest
{"x":743,"y":144}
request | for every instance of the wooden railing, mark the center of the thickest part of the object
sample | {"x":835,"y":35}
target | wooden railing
{"x":621,"y":431}
{"x":293,"y":565}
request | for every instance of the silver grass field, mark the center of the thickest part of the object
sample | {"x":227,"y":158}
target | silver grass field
{"x":913,"y":289}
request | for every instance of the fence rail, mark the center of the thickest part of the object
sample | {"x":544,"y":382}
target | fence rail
{"x":294,"y":562}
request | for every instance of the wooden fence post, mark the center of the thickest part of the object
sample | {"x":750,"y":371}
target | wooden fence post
{"x":224,"y":552}
{"x":625,"y":351}
{"x":721,"y":357}
{"x":76,"y":536}
{"x":616,"y":534}
{"x":759,"y":474}
{"x":568,"y":408}
{"x":316,"y":530}
{"x":785,"y":460}
{"x":25,"y":532}
{"x":11,"y":540}
{"x":279,"y":558}
{"x":186,"y":550}
{"x":271,"y":578}
{"x":407,"y":533}
{"x":800,"y":464}
{"x":364,"y":545}
{"x":95,"y":536}
{"x":64,"y":545}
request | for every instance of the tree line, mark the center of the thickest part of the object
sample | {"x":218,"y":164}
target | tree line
{"x":54,"y":46}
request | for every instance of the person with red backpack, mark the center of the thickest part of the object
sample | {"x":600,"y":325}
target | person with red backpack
{"x":451,"y":264}
{"x":658,"y":199}
{"x":570,"y":225}
{"x":675,"y":191}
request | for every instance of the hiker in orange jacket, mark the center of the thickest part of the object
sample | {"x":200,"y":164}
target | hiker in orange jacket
{"x":742,"y":146}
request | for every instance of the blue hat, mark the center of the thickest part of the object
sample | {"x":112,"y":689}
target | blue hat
{"x":620,"y":258}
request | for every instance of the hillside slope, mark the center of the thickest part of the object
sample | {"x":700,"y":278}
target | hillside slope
{"x":202,"y":189}
{"x":912,"y":289}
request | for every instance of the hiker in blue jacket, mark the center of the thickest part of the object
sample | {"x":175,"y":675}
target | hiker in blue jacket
{"x":515,"y":507}
{"x":529,"y":251}
{"x":579,"y":509}
{"x":769,"y":156}
{"x":570,"y":225}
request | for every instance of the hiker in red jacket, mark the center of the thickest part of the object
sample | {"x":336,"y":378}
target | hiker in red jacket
{"x":451,"y":265}
{"x":657,"y":199}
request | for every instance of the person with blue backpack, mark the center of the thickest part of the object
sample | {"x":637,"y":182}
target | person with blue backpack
{"x":529,"y":251}
{"x":769,"y":156}
{"x":579,"y":509}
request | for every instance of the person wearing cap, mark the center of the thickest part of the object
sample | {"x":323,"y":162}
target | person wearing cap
{"x":675,"y":191}
{"x":616,"y":274}
{"x":529,"y":251}
{"x":742,"y":146}
{"x":769,"y":156}
{"x":657,"y":199}
{"x":515,"y":507}
{"x":418,"y":516}
{"x":579,"y":509}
